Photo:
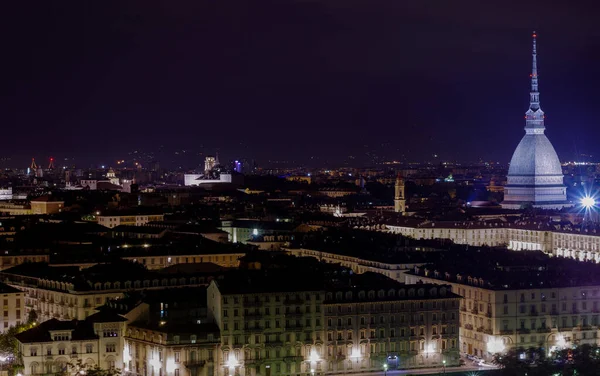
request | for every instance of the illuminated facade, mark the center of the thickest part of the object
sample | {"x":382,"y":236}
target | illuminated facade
{"x":46,"y":205}
{"x":493,"y":320}
{"x":320,"y":331}
{"x":399,"y":200}
{"x":49,"y":347}
{"x":535,"y":174}
{"x":170,"y":350}
{"x":110,"y":221}
{"x":572,"y":242}
{"x":13,"y":303}
{"x":209,"y":163}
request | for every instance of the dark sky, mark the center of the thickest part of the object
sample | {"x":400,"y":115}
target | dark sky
{"x":291,"y":79}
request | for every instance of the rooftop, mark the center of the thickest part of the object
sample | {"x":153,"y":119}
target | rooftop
{"x":506,"y":270}
{"x":80,"y":329}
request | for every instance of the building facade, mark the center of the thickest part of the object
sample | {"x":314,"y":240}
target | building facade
{"x":563,"y":241}
{"x":115,"y":220}
{"x":46,"y":205}
{"x":66,"y":294}
{"x":170,"y":350}
{"x":333,"y":331}
{"x":13,"y":307}
{"x":495,"y":319}
{"x":52,"y":346}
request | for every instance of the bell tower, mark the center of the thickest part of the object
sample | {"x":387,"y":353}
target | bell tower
{"x":399,"y":200}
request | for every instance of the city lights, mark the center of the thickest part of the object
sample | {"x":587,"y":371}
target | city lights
{"x":588,"y":202}
{"x":495,"y":345}
{"x":314,"y":357}
{"x":231,"y":363}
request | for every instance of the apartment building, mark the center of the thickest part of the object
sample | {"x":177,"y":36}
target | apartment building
{"x":540,"y":303}
{"x":13,"y":307}
{"x":174,"y":349}
{"x":122,"y":218}
{"x":286,"y":324}
{"x":53,"y":345}
{"x":68,"y":292}
{"x":580,"y":242}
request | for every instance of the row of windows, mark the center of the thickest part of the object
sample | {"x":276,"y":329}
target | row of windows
{"x":89,"y":348}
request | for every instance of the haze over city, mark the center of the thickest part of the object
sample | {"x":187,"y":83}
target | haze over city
{"x":312,"y":82}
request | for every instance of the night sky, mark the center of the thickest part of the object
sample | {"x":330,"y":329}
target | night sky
{"x":291,"y":80}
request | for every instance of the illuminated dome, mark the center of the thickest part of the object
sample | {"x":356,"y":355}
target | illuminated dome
{"x":535,"y":156}
{"x":535,"y":175}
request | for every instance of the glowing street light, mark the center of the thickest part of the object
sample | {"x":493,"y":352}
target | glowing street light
{"x":385,"y":367}
{"x":588,"y":202}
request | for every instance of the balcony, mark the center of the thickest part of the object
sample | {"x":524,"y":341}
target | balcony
{"x":194,"y":363}
{"x":488,"y":331}
{"x":294,"y":314}
{"x":480,"y":329}
{"x":554,"y":312}
{"x":469,"y":326}
{"x":475,"y":311}
{"x":488,"y":314}
{"x":523,"y":331}
{"x":506,"y":332}
{"x":293,"y":358}
{"x":463,"y":309}
{"x":543,"y":330}
{"x":74,"y":356}
{"x":533,"y":313}
{"x":252,"y":304}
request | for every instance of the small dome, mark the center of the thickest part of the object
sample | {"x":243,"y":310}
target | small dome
{"x":535,"y":156}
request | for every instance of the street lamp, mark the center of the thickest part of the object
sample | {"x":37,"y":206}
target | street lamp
{"x":444,"y":363}
{"x":385,"y":366}
{"x":312,"y":371}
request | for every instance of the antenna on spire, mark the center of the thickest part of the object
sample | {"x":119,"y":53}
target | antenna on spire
{"x":534,"y":75}
{"x":534,"y":117}
{"x":535,"y":96}
{"x":51,"y":164}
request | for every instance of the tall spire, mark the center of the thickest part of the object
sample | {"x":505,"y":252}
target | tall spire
{"x":534,"y":95}
{"x":534,"y":116}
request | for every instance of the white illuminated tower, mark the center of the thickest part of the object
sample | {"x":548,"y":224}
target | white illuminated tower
{"x":535,"y":175}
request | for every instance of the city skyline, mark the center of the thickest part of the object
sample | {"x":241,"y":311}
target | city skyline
{"x":409,"y":81}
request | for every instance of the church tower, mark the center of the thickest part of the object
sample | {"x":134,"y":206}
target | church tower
{"x":535,"y":174}
{"x":399,"y":201}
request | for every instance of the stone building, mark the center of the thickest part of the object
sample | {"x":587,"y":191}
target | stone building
{"x":51,"y":346}
{"x":524,"y":302}
{"x":283,"y":324}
